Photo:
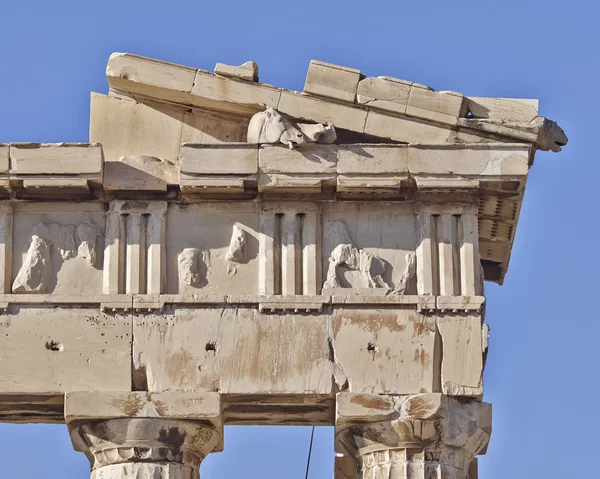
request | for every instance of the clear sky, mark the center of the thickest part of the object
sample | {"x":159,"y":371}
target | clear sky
{"x":542,"y":370}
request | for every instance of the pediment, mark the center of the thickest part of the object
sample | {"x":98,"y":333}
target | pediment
{"x":381,"y":108}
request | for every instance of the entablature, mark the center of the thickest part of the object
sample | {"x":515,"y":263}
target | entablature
{"x":492,"y":176}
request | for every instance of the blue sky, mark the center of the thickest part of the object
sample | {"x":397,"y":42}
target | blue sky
{"x":542,"y":370}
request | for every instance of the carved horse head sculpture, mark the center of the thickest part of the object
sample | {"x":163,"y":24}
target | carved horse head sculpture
{"x":270,"y":127}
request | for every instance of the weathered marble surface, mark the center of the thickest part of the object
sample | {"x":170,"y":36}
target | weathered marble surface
{"x":221,"y":253}
{"x":422,"y":436}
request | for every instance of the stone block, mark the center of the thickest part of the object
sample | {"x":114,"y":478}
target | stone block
{"x":495,"y":159}
{"x":372,"y":159}
{"x":430,"y":115}
{"x":427,"y":303}
{"x":202,"y":126}
{"x":208,"y":228}
{"x":273,"y":410}
{"x":309,"y":159}
{"x":438,"y":184}
{"x":505,"y":109}
{"x":294,"y":183}
{"x":140,"y":173}
{"x":213,"y":185}
{"x":343,"y":297}
{"x":366,"y":342}
{"x":389,"y":186}
{"x":4,"y":158}
{"x":366,"y":169}
{"x":247,"y":71}
{"x":293,"y":304}
{"x":6,"y":246}
{"x":56,"y":159}
{"x":128,"y":128}
{"x":405,"y":129}
{"x":221,"y":159}
{"x":333,"y":81}
{"x":32,"y":408}
{"x":47,"y":349}
{"x":442,"y":106}
{"x":363,"y":406}
{"x":384,"y":93}
{"x":239,"y":97}
{"x":243,"y":351}
{"x":484,"y":128}
{"x":460,"y":303}
{"x":385,"y":232}
{"x":141,"y":76}
{"x":305,"y":107}
{"x":232,"y":351}
{"x":463,"y":345}
{"x":52,"y":187}
{"x":86,"y":406}
{"x":67,"y":238}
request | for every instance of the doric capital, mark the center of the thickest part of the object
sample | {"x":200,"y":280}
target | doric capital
{"x":138,"y":434}
{"x":133,"y":440}
{"x":429,"y":430}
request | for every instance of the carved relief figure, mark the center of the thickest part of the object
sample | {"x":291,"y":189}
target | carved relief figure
{"x":70,"y":241}
{"x":370,"y":266}
{"x":34,"y":275}
{"x":355,"y":259}
{"x":189,"y":271}
{"x":270,"y":127}
{"x":237,"y":245}
{"x":87,"y":235}
{"x":409,"y":273}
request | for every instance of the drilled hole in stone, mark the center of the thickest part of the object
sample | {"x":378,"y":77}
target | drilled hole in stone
{"x":54,"y":346}
{"x":211,"y":346}
{"x":371,"y":347}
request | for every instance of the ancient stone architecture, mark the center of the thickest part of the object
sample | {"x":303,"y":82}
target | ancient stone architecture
{"x":228,"y":252}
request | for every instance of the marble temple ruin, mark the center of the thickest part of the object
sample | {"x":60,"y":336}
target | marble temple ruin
{"x":226,"y":252}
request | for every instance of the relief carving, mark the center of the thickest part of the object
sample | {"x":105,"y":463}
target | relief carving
{"x":70,"y":242}
{"x":237,"y":245}
{"x":34,"y":275}
{"x":409,"y":273}
{"x":62,"y":237}
{"x":371,"y":267}
{"x":87,"y":235}
{"x":270,"y":127}
{"x":355,"y":259}
{"x":189,"y":270}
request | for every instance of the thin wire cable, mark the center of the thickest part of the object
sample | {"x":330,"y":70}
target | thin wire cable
{"x":312,"y":435}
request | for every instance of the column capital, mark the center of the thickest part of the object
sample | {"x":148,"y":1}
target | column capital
{"x":138,"y":434}
{"x":422,"y":431}
{"x":134,"y":440}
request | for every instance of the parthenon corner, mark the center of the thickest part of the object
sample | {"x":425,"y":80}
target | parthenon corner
{"x":226,"y":252}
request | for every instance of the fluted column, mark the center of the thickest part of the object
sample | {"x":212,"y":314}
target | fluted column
{"x":422,"y":436}
{"x":151,"y":441}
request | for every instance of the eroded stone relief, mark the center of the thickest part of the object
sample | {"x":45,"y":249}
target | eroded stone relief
{"x":371,"y":268}
{"x":35,"y":272}
{"x":189,"y":271}
{"x":409,"y":273}
{"x":87,"y":233}
{"x":237,"y":246}
{"x":270,"y":127}
{"x":346,"y":254}
{"x":70,"y":241}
